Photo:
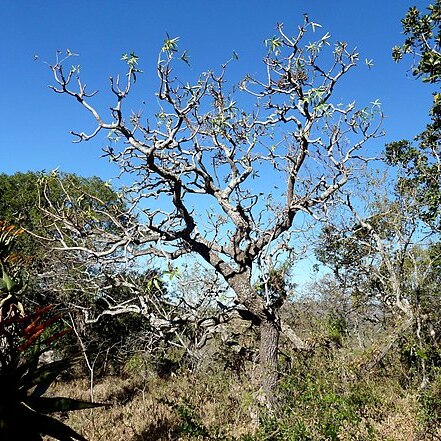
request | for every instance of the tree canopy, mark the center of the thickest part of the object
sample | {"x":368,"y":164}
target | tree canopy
{"x":200,"y":170}
{"x":420,"y":158}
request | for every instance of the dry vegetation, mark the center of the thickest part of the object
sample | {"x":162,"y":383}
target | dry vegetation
{"x":320,"y":401}
{"x":187,"y":406}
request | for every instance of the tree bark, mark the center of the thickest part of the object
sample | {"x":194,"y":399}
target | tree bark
{"x":268,"y":359}
{"x":269,"y":326}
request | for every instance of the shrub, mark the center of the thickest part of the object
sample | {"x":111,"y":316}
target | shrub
{"x":23,"y":339}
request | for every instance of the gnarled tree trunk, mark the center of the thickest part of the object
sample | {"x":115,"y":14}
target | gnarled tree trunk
{"x":268,"y":322}
{"x":268,"y":359}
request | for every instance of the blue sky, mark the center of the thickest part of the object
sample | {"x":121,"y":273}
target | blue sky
{"x":35,"y":122}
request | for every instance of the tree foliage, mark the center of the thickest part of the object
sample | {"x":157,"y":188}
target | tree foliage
{"x":383,"y":261}
{"x":61,"y":280}
{"x":421,"y":159}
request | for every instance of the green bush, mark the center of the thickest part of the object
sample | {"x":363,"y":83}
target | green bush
{"x":318,"y":403}
{"x":430,"y":402}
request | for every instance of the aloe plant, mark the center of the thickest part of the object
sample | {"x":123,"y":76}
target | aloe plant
{"x":23,"y":407}
{"x":24,"y":410}
{"x":11,"y":279}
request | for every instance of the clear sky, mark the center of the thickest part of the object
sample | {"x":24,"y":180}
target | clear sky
{"x":35,"y":122}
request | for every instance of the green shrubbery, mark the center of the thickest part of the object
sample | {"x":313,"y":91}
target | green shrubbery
{"x":320,"y":403}
{"x":24,"y":337}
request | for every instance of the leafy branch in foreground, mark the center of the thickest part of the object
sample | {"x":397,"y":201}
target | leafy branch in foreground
{"x":421,"y":160}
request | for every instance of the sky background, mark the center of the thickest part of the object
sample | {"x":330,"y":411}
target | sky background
{"x":35,"y":122}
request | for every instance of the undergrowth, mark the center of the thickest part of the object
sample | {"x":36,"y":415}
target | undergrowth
{"x":318,"y":401}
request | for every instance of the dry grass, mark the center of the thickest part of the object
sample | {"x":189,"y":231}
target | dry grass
{"x":399,"y":421}
{"x":215,"y":406}
{"x":152,"y":409}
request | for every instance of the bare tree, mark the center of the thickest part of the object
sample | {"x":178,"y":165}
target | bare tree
{"x":230,"y":185}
